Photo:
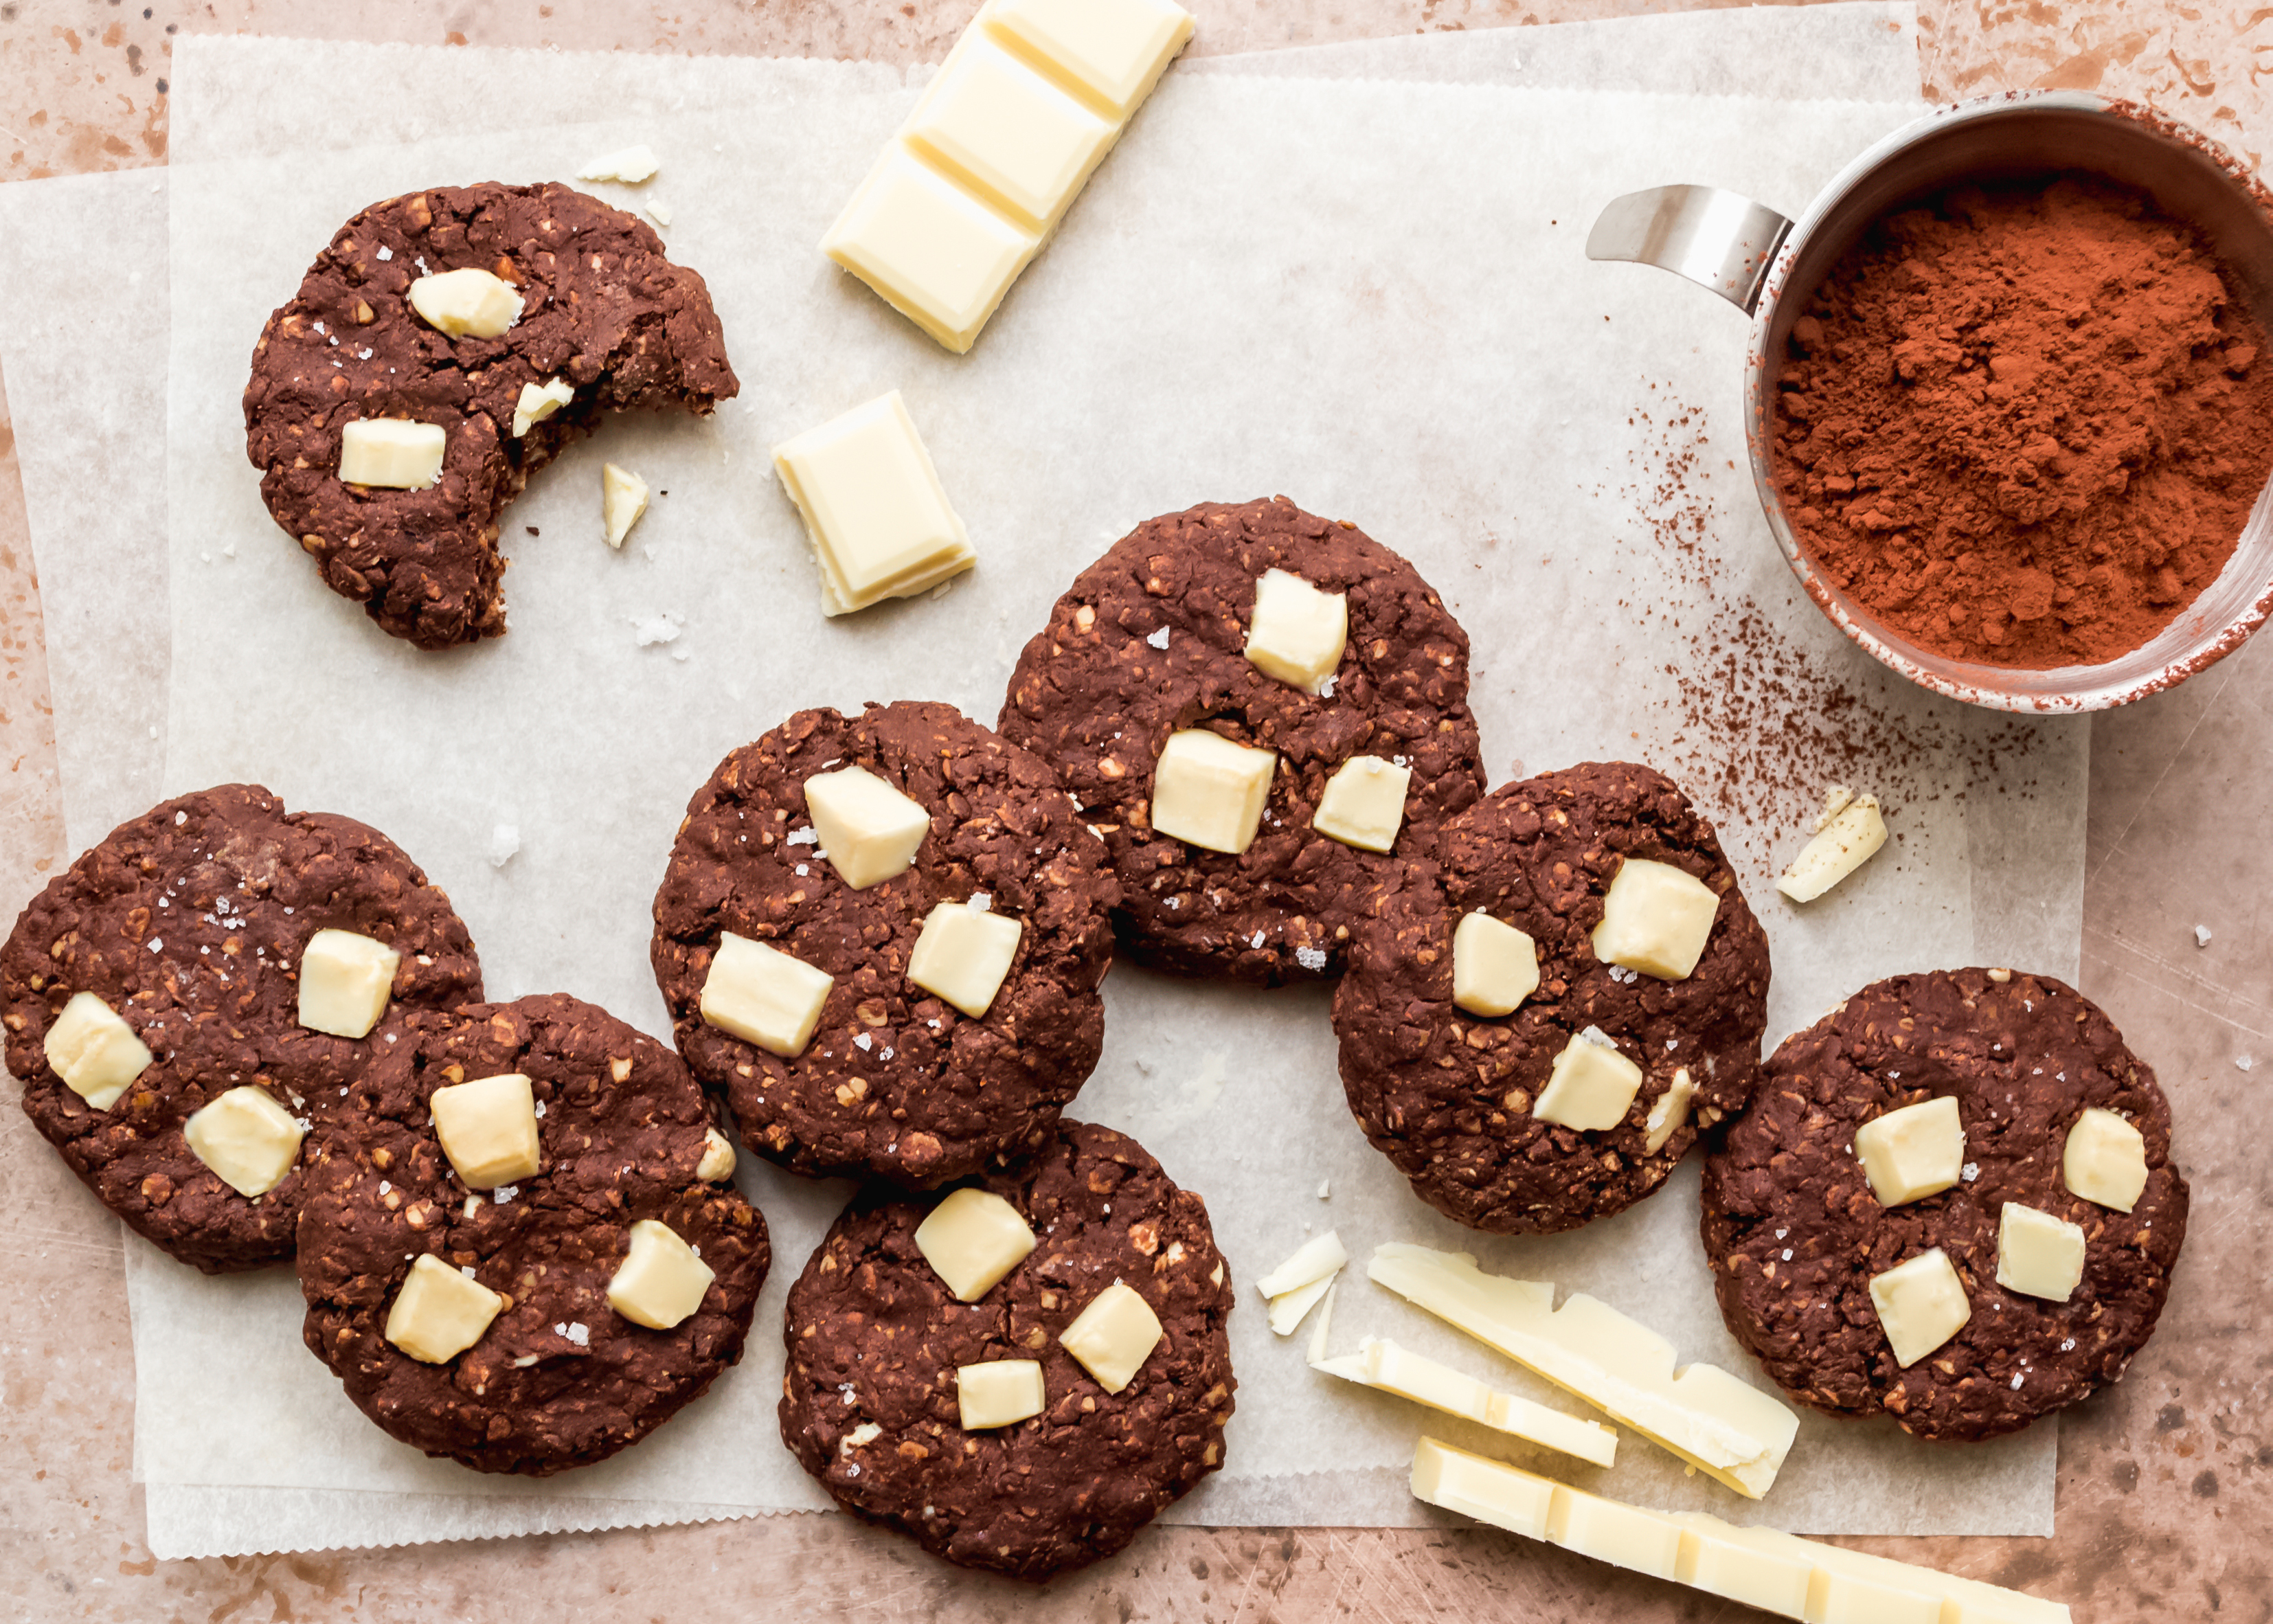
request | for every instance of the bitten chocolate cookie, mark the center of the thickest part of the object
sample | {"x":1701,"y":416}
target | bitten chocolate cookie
{"x":1311,"y":646}
{"x":881,"y":938}
{"x":154,"y":995}
{"x":1536,"y":1025}
{"x":1024,"y":1373}
{"x":521,"y":1247}
{"x":1953,"y":1202}
{"x":403,"y":321}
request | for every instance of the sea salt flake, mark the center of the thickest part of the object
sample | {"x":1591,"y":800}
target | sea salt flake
{"x":2018,"y":1376}
{"x":504,"y":1193}
{"x":1256,"y":940}
{"x":1309,"y":957}
{"x":981,"y":901}
{"x":2242,"y":1062}
{"x":1160,"y":639}
{"x":1970,"y":1171}
{"x":579,"y":1333}
{"x":385,"y":254}
{"x":862,"y":1042}
{"x":802,"y":837}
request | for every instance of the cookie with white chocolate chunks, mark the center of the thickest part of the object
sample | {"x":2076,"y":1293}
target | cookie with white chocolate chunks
{"x":1536,"y":1025}
{"x":444,"y":346}
{"x":1263,"y":712}
{"x":881,"y":938}
{"x":155,"y":996}
{"x":522,"y":1248}
{"x":1953,"y":1202}
{"x":1085,"y":1262}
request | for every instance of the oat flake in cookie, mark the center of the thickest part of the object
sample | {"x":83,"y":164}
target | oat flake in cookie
{"x":879,"y":1350}
{"x":537,"y":1349}
{"x":1796,"y":1230}
{"x":1150,"y":643}
{"x":189,"y":925}
{"x":892,"y":1078}
{"x":1628,"y":1064}
{"x":602,"y":314}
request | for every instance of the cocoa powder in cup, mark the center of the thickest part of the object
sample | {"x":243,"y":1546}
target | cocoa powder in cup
{"x":2023,"y":424}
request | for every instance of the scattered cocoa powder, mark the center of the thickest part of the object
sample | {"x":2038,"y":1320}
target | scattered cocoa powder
{"x":2025,"y":424}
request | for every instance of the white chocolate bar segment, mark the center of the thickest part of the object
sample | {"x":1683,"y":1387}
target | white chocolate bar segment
{"x":1298,"y":632}
{"x":1209,"y":792}
{"x":1112,"y":52}
{"x":1913,"y":1152}
{"x":488,"y":1130}
{"x":345,"y":983}
{"x":1921,"y":1304}
{"x":763,"y":995}
{"x":869,"y":830}
{"x":467,"y":303}
{"x":1656,"y":919}
{"x":1590,"y":1087}
{"x":246,"y":1138}
{"x":392,"y":453}
{"x":1001,"y":1392}
{"x":2037,"y":1254}
{"x":1007,"y":133}
{"x":2105,"y":1160}
{"x":1363,"y":804}
{"x":873,"y":508}
{"x":94,"y":1051}
{"x":1385,"y":1366}
{"x":1495,"y":966}
{"x":439,"y":1312}
{"x":938,"y":255}
{"x":972,"y":1239}
{"x":1114,"y":1335}
{"x":660,"y":1280}
{"x":963,"y":954}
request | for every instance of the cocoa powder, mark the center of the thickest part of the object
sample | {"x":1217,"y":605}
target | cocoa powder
{"x":2025,"y":424}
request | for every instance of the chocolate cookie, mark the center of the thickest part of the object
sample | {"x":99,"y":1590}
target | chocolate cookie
{"x":603,"y":311}
{"x":560,"y":1377}
{"x":190,"y":923}
{"x":872,"y":1400}
{"x":1150,"y":641}
{"x":1795,"y":1232}
{"x":1452,"y":1097}
{"x":894,"y":1080}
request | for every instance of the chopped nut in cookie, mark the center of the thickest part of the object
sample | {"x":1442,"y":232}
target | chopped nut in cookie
{"x":439,"y":1312}
{"x":972,"y":1239}
{"x":2037,"y":1254}
{"x":488,"y":1130}
{"x":246,"y":1138}
{"x":345,"y":983}
{"x":660,"y":1282}
{"x":869,"y":830}
{"x":873,"y":507}
{"x":94,"y":1051}
{"x":1363,"y":804}
{"x":1209,"y":792}
{"x":1656,"y":919}
{"x":1591,"y":1085}
{"x":717,"y":1163}
{"x":1920,"y":1303}
{"x":2105,"y":1160}
{"x":1298,"y":633}
{"x":468,"y":303}
{"x":763,"y":995}
{"x":1114,"y":1335}
{"x":1495,"y":966}
{"x":963,"y":955}
{"x":999,"y":1392}
{"x":391,"y":452}
{"x":1912,"y":1153}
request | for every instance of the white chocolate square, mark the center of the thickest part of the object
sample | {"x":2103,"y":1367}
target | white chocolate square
{"x":1297,"y":632}
{"x":345,"y":982}
{"x":873,"y":507}
{"x":471,"y":302}
{"x":623,"y":498}
{"x":963,"y":954}
{"x":1656,"y":919}
{"x":246,"y":1138}
{"x":763,"y":996}
{"x":1669,"y":1111}
{"x":999,"y":1393}
{"x":2105,"y":1160}
{"x":1495,"y":966}
{"x":937,"y":254}
{"x":1590,"y":1087}
{"x":94,"y":1051}
{"x":2037,"y":1254}
{"x":488,"y":1129}
{"x":869,"y":830}
{"x":660,"y":1282}
{"x":1007,"y":133}
{"x":972,"y":1239}
{"x":538,"y":402}
{"x":1114,"y":1335}
{"x":1363,"y":804}
{"x":391,"y":452}
{"x":439,"y":1312}
{"x":1912,"y":1153}
{"x":717,"y":1163}
{"x":1209,"y":792}
{"x":1110,"y":51}
{"x":1920,"y":1303}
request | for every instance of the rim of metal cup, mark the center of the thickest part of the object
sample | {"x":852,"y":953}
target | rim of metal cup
{"x":1900,"y":169}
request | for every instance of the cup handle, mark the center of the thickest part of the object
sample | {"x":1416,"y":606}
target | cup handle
{"x":1717,"y":239}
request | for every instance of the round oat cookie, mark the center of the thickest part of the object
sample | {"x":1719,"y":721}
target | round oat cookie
{"x":870,"y":1400}
{"x":603,"y":311}
{"x":1150,"y":641}
{"x":1448,"y":1096}
{"x":1795,"y":1233}
{"x":895,"y":1081}
{"x":188,"y":922}
{"x":559,"y":1377}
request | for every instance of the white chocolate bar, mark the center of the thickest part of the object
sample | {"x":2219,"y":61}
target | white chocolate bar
{"x":873,"y":507}
{"x":1383,"y":1364}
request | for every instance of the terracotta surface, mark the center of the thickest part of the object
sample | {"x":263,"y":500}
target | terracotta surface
{"x":2166,"y":1482}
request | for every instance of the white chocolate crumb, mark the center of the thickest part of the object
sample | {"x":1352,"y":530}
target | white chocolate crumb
{"x":1325,"y":1189}
{"x":648,"y":630}
{"x":504,"y":841}
{"x":2201,"y":936}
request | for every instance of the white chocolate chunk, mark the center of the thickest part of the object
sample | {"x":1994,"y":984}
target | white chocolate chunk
{"x":488,"y":1129}
{"x":439,"y":1312}
{"x":1392,"y":1368}
{"x":963,"y":954}
{"x":1920,"y":1303}
{"x":859,"y":1438}
{"x":1114,"y":1335}
{"x":1007,"y":134}
{"x":623,"y":498}
{"x":1912,"y":1153}
{"x":1849,"y":840}
{"x":246,"y":1138}
{"x":1590,"y":1087}
{"x":873,"y":507}
{"x":1670,"y":1111}
{"x":1315,"y":1259}
{"x":391,"y":452}
{"x":2105,"y":1160}
{"x":1656,"y":919}
{"x":1288,"y":1308}
{"x":1363,"y":804}
{"x":660,"y":1282}
{"x":1110,"y":51}
{"x":717,"y":1163}
{"x":1836,"y":798}
{"x":345,"y":982}
{"x":1297,"y":632}
{"x":2037,"y":1254}
{"x":935,"y":253}
{"x":1209,"y":792}
{"x":94,"y":1051}
{"x":631,"y":166}
{"x":972,"y":1239}
{"x":1495,"y":966}
{"x":763,"y":996}
{"x":467,"y":303}
{"x":1316,"y":1351}
{"x":999,"y":1393}
{"x":538,"y":402}
{"x":869,"y":830}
